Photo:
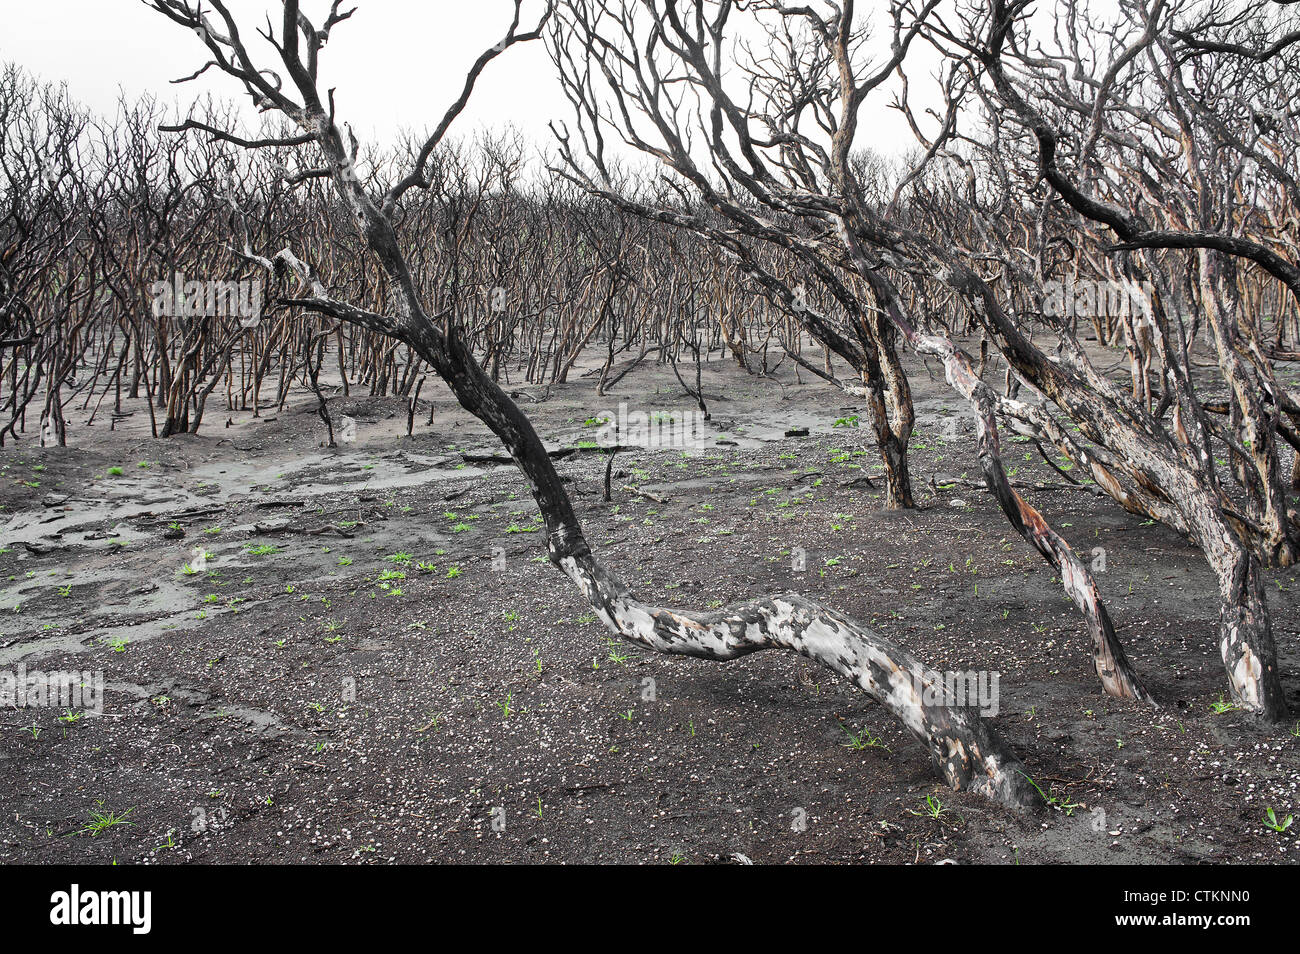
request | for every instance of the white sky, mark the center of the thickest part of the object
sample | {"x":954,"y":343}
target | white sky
{"x":396,"y":64}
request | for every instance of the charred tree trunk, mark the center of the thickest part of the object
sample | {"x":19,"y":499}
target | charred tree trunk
{"x":1113,"y":668}
{"x":967,"y":751}
{"x":1117,"y":675}
{"x":965,"y":748}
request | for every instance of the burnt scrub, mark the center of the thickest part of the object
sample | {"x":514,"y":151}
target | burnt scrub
{"x":378,"y":661}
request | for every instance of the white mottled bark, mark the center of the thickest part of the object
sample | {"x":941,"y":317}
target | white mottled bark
{"x":965,"y":748}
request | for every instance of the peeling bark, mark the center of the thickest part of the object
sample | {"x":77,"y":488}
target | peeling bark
{"x":1117,"y":675}
{"x":1246,"y":640}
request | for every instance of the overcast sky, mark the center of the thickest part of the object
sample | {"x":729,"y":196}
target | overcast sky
{"x":396,"y":63}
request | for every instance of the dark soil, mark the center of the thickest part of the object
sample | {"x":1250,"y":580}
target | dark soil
{"x":286,"y":704}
